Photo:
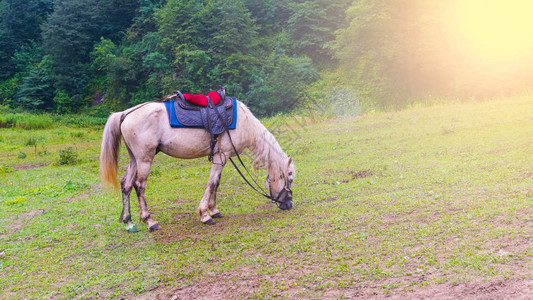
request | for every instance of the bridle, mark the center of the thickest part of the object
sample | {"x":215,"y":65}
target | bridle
{"x":284,"y":192}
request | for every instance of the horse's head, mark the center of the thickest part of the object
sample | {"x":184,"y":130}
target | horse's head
{"x":279,"y":185}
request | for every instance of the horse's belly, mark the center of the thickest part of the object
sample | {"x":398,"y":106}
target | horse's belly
{"x":185,"y":143}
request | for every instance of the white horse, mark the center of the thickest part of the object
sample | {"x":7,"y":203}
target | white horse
{"x":146,"y":131}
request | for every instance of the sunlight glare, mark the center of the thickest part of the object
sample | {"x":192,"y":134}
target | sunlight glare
{"x":495,"y":30}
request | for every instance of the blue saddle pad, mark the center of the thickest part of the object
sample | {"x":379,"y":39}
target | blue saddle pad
{"x":171,"y":111}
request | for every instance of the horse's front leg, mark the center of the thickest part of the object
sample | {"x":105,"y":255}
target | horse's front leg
{"x":208,"y":203}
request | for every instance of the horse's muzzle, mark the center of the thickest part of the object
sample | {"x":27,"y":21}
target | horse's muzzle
{"x":286,"y":205}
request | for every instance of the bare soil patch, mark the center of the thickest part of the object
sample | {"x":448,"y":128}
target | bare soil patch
{"x":230,"y":286}
{"x":16,"y":223}
{"x":29,"y":166}
{"x":345,"y":176}
{"x":508,"y":289}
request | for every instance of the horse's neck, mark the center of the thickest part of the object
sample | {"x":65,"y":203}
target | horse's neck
{"x":265,"y":148}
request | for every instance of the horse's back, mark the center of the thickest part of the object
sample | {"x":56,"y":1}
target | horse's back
{"x":147,"y":130}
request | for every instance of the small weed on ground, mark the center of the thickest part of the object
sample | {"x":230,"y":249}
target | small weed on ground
{"x":67,"y":157}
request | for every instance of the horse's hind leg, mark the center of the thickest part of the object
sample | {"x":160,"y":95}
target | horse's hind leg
{"x":126,"y":186}
{"x":143,"y":170}
{"x":208,"y":202}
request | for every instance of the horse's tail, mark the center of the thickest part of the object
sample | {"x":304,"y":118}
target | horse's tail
{"x":110,"y":150}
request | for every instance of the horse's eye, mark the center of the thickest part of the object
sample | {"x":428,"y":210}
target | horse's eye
{"x":290,"y":173}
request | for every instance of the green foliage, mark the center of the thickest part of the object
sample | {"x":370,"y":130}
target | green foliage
{"x":68,"y":36}
{"x":8,"y":90}
{"x":16,"y":201}
{"x":67,"y":156}
{"x":209,"y":39}
{"x":36,"y":92}
{"x":63,"y":102}
{"x":25,"y":121}
{"x":19,"y":27}
{"x":311,"y":26}
{"x":44,"y":121}
{"x":126,"y":52}
{"x":6,"y":169}
{"x":67,"y":56}
{"x":280,"y":84}
{"x":82,"y":120}
{"x":74,"y":186}
{"x":27,"y":57}
{"x":31,"y":141}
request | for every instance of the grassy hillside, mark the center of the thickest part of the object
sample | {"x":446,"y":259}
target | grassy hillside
{"x":386,"y":203}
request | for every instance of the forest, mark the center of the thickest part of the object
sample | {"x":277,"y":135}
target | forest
{"x":95,"y":56}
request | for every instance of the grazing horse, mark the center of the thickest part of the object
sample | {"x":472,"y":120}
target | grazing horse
{"x":146,"y":131}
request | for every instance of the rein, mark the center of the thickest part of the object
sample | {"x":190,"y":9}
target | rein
{"x":257,"y":187}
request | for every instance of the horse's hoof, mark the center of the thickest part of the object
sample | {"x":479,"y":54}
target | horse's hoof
{"x":125,"y":220}
{"x":155,"y":227}
{"x":131,"y":228}
{"x":217,"y":216}
{"x":209,"y":222}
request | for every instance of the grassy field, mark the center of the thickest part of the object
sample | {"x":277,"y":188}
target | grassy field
{"x":386,"y":204}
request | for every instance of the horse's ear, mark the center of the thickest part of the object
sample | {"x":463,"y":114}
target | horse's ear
{"x":290,"y":161}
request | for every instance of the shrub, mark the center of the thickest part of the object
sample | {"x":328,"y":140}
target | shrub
{"x":67,"y":156}
{"x":74,"y":186}
{"x":31,"y":141}
{"x":16,"y":201}
{"x":81,"y":120}
{"x":5,"y":170}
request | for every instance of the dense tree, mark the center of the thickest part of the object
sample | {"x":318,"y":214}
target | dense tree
{"x":278,"y":85}
{"x":124,"y":52}
{"x":205,"y":41}
{"x":311,"y":26}
{"x":36,"y":91}
{"x":19,"y":26}
{"x":69,"y":35}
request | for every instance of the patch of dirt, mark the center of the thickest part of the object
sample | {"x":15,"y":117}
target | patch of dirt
{"x":29,"y":166}
{"x":82,"y":196}
{"x":352,"y":175}
{"x":181,"y":201}
{"x":508,"y":289}
{"x":16,"y":223}
{"x":180,"y":216}
{"x":94,"y":189}
{"x":243,"y":286}
{"x":330,"y":199}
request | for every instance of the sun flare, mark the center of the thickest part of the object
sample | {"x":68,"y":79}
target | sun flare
{"x":496,"y":30}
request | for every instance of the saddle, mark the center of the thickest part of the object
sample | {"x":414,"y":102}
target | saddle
{"x":214,"y":118}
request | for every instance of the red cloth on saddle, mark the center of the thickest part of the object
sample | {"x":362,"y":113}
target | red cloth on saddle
{"x":202,"y":99}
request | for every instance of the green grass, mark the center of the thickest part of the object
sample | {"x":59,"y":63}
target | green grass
{"x":384,"y":203}
{"x":25,"y":121}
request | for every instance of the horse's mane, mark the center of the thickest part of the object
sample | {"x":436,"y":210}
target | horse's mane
{"x":266,"y":149}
